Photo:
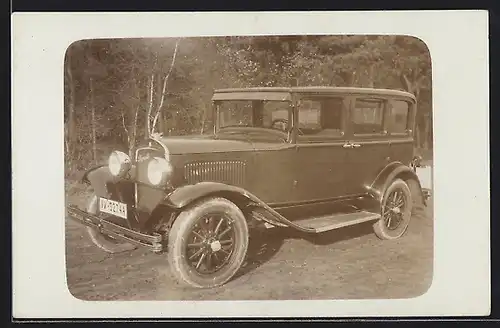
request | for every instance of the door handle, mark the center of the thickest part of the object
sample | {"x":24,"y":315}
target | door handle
{"x":351,"y":145}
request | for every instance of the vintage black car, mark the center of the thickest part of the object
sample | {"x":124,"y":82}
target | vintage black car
{"x":309,"y":158}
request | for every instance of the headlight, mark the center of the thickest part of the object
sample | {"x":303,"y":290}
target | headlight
{"x":119,"y":163}
{"x":159,"y":171}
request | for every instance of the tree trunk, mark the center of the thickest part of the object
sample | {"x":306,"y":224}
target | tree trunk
{"x":133,"y":114}
{"x":150,"y":108}
{"x":92,"y":106}
{"x":351,"y":82}
{"x":71,"y":131}
{"x":427,"y":131}
{"x":203,"y":119}
{"x":159,"y":110}
{"x":161,"y":118}
{"x":417,"y":135}
{"x":371,"y":76}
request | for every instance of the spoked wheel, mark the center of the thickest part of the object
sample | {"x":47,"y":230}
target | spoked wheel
{"x":396,"y":208}
{"x":105,"y":242}
{"x":208,"y":243}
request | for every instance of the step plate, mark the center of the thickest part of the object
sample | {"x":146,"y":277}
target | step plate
{"x":336,"y":221}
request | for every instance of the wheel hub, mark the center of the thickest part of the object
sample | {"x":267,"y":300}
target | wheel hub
{"x":215,"y":246}
{"x":396,"y":210}
{"x":212,"y":245}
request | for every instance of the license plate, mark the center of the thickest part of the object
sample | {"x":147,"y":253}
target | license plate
{"x":425,"y":176}
{"x":112,"y":207}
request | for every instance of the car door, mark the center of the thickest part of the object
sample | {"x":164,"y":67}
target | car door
{"x":320,"y":154}
{"x":272,"y":174}
{"x":369,"y":143}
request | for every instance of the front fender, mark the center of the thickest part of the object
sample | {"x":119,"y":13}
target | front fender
{"x":393,"y":171}
{"x":185,"y":195}
{"x":85,"y":176}
{"x":99,"y":177}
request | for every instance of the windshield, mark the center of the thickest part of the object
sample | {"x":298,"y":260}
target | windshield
{"x":254,"y":113}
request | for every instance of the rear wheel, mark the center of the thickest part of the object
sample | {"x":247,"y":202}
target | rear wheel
{"x":396,"y":209}
{"x":208,"y":243}
{"x":105,"y":242}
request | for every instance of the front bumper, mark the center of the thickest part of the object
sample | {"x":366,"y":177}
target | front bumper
{"x":154,"y":242}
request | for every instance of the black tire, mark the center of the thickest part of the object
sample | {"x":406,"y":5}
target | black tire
{"x":418,"y":209}
{"x":396,"y":210}
{"x":105,"y":242}
{"x":187,"y":244}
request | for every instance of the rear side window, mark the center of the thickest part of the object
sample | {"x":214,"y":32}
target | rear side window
{"x":398,"y":116}
{"x":367,"y":116}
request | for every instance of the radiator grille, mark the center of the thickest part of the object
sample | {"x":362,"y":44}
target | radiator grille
{"x":152,"y":152}
{"x":143,"y":157}
{"x":230,"y":172}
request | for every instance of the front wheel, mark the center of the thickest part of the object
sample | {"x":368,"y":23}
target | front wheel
{"x":208,"y":243}
{"x":396,"y":209}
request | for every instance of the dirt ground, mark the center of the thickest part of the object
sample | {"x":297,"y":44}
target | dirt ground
{"x":350,"y":263}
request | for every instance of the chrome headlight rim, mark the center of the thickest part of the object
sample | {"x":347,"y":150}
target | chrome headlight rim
{"x":119,"y":163}
{"x":160,"y":174}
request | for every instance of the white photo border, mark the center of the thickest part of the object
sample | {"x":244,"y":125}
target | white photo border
{"x":461,"y":282}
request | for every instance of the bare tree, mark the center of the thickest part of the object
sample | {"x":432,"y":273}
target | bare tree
{"x":164,"y":89}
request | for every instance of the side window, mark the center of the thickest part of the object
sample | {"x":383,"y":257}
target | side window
{"x":320,"y":118}
{"x":367,"y":116}
{"x":398,"y":116}
{"x":276,"y":114}
{"x":310,"y":115}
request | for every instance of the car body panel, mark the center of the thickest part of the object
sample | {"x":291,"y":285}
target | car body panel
{"x":194,"y":145}
{"x":273,"y":164}
{"x":320,"y":171}
{"x":359,"y":170}
{"x":289,"y":175}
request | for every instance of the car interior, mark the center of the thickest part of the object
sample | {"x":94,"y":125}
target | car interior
{"x":320,"y":117}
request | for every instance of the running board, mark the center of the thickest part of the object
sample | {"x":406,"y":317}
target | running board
{"x":335,"y":221}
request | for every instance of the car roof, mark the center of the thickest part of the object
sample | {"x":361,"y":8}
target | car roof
{"x":316,"y":90}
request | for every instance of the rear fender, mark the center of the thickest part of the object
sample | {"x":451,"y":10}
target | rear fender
{"x":395,"y":170}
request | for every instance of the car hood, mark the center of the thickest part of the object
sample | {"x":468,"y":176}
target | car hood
{"x":204,"y":144}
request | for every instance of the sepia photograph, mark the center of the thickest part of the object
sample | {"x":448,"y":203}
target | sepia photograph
{"x":248,"y":168}
{"x":243,"y":165}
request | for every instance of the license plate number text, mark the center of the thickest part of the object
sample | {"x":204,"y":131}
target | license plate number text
{"x":112,"y":207}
